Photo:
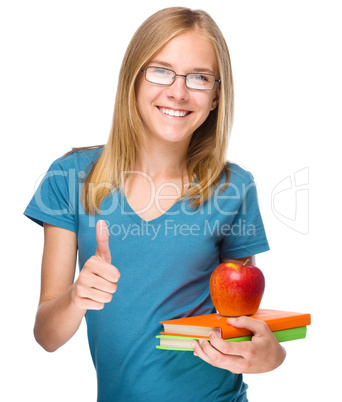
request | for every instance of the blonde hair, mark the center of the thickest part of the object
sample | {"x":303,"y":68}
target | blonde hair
{"x":207,"y":150}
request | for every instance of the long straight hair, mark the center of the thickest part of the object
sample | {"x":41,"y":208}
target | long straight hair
{"x":206,"y":154}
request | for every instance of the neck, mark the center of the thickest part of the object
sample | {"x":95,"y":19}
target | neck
{"x":162,"y":160}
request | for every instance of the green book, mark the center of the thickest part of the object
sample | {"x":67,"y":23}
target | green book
{"x":175,"y":342}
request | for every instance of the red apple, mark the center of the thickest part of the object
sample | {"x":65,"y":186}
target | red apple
{"x":236,"y":289}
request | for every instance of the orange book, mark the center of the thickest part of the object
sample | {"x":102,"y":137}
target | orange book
{"x":203,"y":324}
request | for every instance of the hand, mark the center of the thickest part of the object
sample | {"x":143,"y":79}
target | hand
{"x":98,"y":278}
{"x":263,"y":353}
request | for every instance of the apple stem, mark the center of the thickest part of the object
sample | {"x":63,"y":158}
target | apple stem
{"x":246,"y":261}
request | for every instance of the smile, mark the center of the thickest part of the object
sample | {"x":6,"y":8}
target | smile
{"x":173,"y":112}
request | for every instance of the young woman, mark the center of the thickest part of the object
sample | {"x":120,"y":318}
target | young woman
{"x":151,"y":214}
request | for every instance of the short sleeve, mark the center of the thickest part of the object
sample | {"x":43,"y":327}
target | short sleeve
{"x":246,"y":235}
{"x":55,"y":199}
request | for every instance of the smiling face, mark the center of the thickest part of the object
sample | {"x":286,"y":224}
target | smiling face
{"x":173,"y":113}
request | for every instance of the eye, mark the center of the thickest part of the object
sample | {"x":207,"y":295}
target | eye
{"x":161,"y":71}
{"x":200,"y":77}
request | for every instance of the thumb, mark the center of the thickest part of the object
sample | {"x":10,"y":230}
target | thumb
{"x":102,"y":242}
{"x":258,"y":327}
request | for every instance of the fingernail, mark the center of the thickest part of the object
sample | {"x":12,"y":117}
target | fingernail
{"x":104,"y":226}
{"x":193,"y":344}
{"x":231,"y":319}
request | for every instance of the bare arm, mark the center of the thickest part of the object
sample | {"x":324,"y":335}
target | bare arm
{"x":57,"y":317}
{"x":63,"y":302}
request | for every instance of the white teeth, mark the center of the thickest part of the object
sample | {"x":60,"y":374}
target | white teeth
{"x":176,"y":113}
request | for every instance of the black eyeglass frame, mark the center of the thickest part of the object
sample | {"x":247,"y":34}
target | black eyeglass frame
{"x":180,"y":75}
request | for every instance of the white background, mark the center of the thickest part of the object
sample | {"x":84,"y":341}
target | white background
{"x":59,"y":69}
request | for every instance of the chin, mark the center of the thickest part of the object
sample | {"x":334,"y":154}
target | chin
{"x":173,"y":137}
{"x":176,"y":139}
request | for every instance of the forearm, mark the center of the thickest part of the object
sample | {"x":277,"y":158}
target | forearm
{"x":57,"y":320}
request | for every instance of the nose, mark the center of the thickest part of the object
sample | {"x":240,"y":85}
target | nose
{"x":178,"y":89}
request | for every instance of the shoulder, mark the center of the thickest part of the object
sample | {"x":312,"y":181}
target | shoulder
{"x":233,"y":187}
{"x":80,"y":159}
{"x":237,"y":175}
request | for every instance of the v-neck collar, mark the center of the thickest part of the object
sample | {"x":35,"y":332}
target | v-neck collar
{"x":126,"y":208}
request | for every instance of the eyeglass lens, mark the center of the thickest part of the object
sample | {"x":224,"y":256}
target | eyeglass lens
{"x":164,"y":76}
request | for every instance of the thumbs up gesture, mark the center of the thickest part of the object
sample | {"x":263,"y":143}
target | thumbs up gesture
{"x":98,"y":278}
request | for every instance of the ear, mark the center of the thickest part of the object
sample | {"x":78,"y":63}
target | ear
{"x":216,"y":99}
{"x":214,"y":103}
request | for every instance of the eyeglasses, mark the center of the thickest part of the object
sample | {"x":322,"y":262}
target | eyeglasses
{"x":164,"y":76}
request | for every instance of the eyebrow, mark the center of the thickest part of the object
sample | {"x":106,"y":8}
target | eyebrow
{"x":195,"y":70}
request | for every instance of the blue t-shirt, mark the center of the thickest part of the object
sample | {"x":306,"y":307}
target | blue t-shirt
{"x":165,"y":266}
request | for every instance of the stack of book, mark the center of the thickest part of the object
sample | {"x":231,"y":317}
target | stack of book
{"x":179,"y":333}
